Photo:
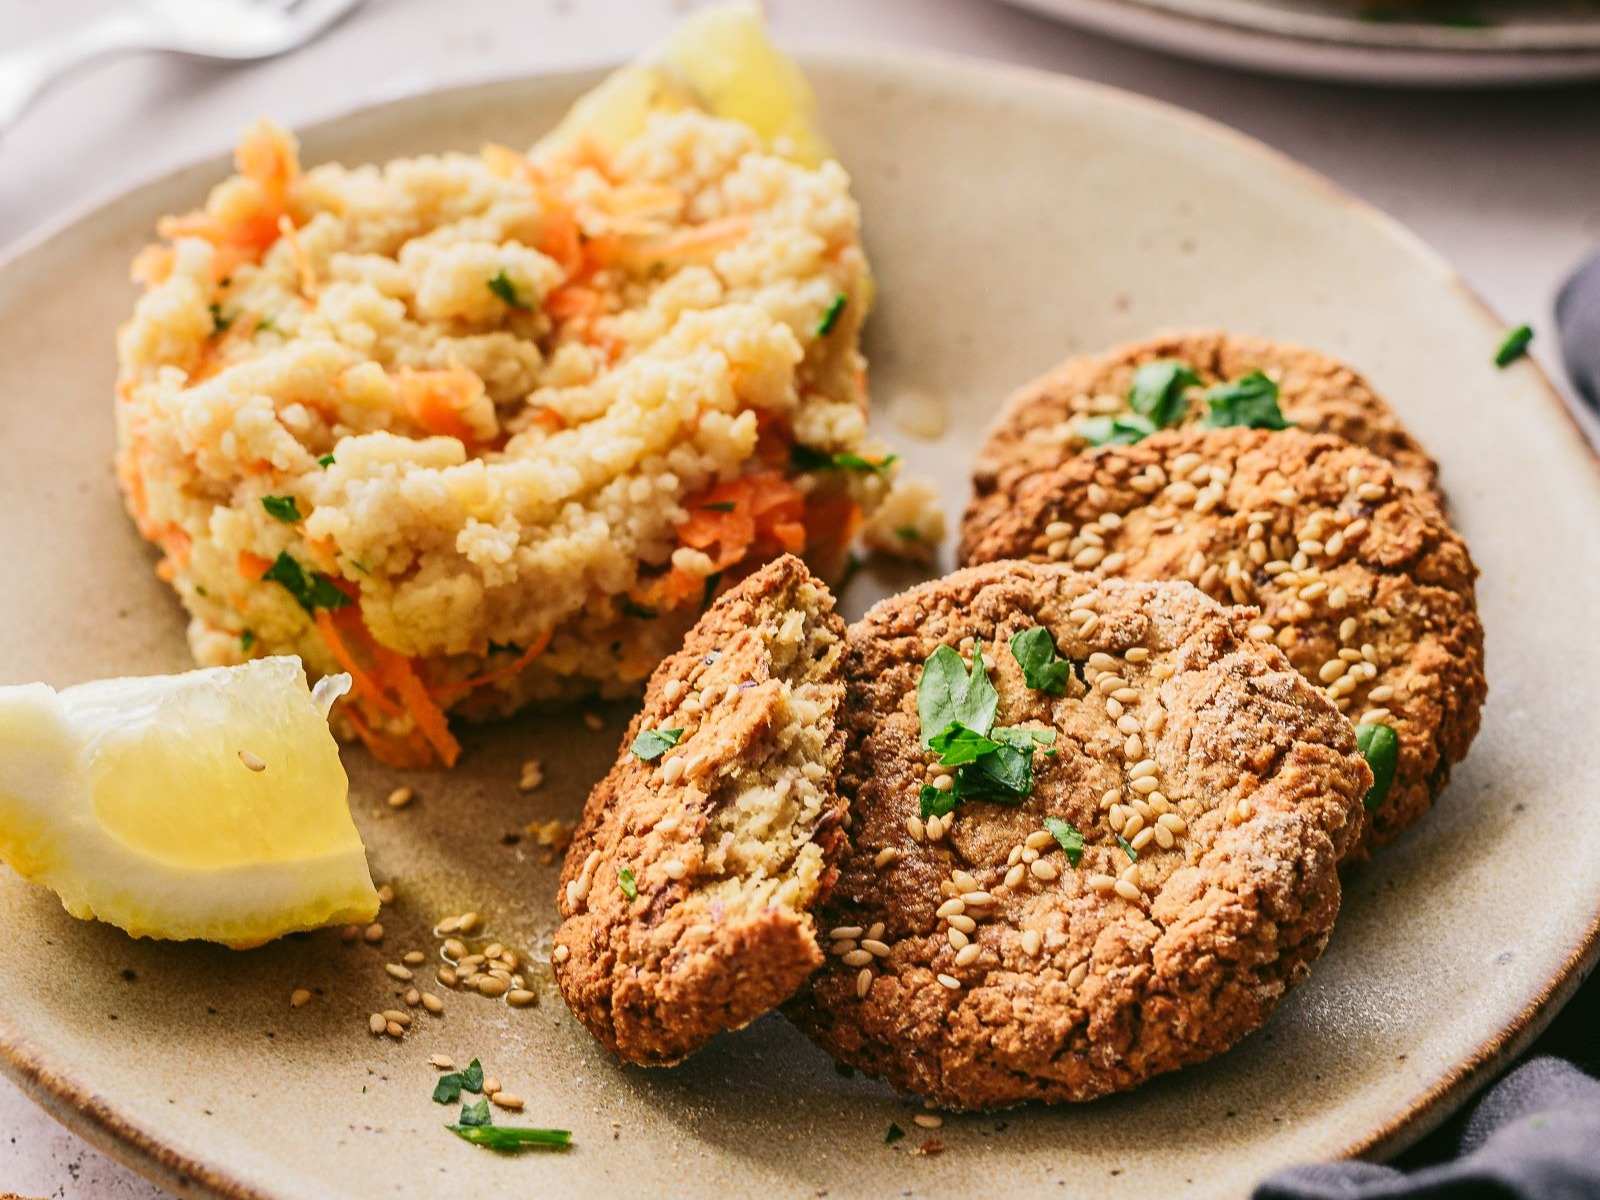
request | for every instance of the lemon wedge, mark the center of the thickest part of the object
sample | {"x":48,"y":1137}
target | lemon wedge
{"x":719,"y":60}
{"x":206,"y":805}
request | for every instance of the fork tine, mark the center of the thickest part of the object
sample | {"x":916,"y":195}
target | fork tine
{"x":315,"y":15}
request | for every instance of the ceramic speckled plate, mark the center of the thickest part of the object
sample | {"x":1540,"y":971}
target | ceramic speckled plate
{"x":1013,"y":218}
{"x":1489,"y":42}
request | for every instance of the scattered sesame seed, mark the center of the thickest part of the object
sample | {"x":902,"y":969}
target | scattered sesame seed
{"x":885,"y":857}
{"x":401,"y":797}
{"x":863,"y":983}
{"x":949,"y":981}
{"x":299,"y":998}
{"x":414,"y":958}
{"x":508,"y":1100}
{"x":373,"y":932}
{"x":386,"y":894}
{"x":559,"y":954}
{"x":532,"y":775}
{"x":254,"y":761}
{"x":432,"y":1003}
{"x":377,"y":1024}
{"x":413,"y":997}
{"x":442,"y":1061}
{"x":594,"y":721}
{"x":931,"y":1120}
{"x":520,"y":997}
{"x":395,"y":1030}
{"x":396,"y":971}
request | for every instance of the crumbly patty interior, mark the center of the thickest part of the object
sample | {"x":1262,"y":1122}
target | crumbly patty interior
{"x":759,"y":849}
{"x":687,"y":890}
{"x":1361,"y":583}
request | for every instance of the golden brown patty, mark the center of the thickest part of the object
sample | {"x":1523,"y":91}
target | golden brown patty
{"x":1363,"y":584}
{"x":687,"y":890}
{"x":973,"y":962}
{"x":1037,"y":428}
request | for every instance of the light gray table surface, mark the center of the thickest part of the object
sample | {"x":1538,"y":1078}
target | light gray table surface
{"x":1505,"y":184}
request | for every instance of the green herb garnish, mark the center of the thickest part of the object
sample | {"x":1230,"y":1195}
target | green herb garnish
{"x":1158,"y":391}
{"x":475,"y":1114}
{"x":220,"y":323}
{"x":247,"y":640}
{"x":1251,"y":402}
{"x":721,"y":506}
{"x":831,"y":317}
{"x":1133,"y":855}
{"x":325,"y":461}
{"x":627,"y":884}
{"x":713,"y":582}
{"x":632,"y":608}
{"x":311,"y":589}
{"x":1067,"y":834}
{"x":1380,"y":746}
{"x":448,"y":1088}
{"x":949,"y":694}
{"x":907,"y":533}
{"x":809,"y":458}
{"x":894,"y":1135}
{"x":651,"y":744}
{"x":1122,"y":430}
{"x":282,"y":507}
{"x":502,"y":287}
{"x":1513,"y":346}
{"x":508,"y":1138}
{"x":1042,"y":667}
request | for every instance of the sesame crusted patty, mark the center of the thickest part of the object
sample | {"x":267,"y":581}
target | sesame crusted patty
{"x":1361,"y":583}
{"x":686,"y":894}
{"x":1042,"y":424}
{"x":1138,"y":898}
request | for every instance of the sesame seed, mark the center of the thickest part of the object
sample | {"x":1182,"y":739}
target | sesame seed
{"x":350,"y":933}
{"x":299,"y":998}
{"x":520,"y":997}
{"x":396,"y":1017}
{"x":674,"y":868}
{"x":949,"y":981}
{"x":1038,"y":839}
{"x":1312,"y":591}
{"x":447,"y":976}
{"x":395,"y":1030}
{"x":1155,"y":722}
{"x":386,"y":894}
{"x":968,"y":954}
{"x":964,"y":881}
{"x":594,"y":721}
{"x":1114,"y":709}
{"x":401,"y":797}
{"x":1133,"y":747}
{"x":492,"y":985}
{"x":857,"y":958}
{"x":1163,"y":837}
{"x":432,"y":1003}
{"x":1347,"y":629}
{"x":863,"y":983}
{"x":962,"y":922}
{"x":1128,"y":891}
{"x":1145,"y":784}
{"x":454,"y":948}
{"x":1287,"y":496}
{"x":1031,"y":942}
{"x":1371,"y":491}
{"x":396,"y":971}
{"x":841,"y":933}
{"x":1142,"y":839}
{"x":1044,"y":869}
{"x":1101,"y":883}
{"x":956,"y":938}
{"x":377,"y":1024}
{"x":491,"y":1085}
{"x":952,"y":907}
{"x":254,"y":761}
{"x":874,"y":947}
{"x":1029,"y":855}
{"x":1015,"y":876}
{"x":413,"y":997}
{"x":1381,"y":694}
{"x":1331,"y":670}
{"x":1173,"y":822}
{"x":373,"y":932}
{"x":1374,"y":716}
{"x":1078,"y":974}
{"x":414,"y":958}
{"x":672,"y":769}
{"x":915,"y":828}
{"x":442,"y":1061}
{"x":884,"y":857}
{"x":504,"y":1099}
{"x":560,"y":953}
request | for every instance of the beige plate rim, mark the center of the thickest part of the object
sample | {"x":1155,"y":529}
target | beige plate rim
{"x":77,"y":1106}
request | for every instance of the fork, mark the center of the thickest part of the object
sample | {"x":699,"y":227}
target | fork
{"x":216,"y":30}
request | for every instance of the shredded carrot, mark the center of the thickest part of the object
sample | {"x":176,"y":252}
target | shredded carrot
{"x":253,"y":566}
{"x":267,"y":166}
{"x":153,"y":265}
{"x":436,"y":400}
{"x":446,"y":693}
{"x":573,"y":302}
{"x":302,"y":261}
{"x":548,"y":418}
{"x":697,"y":243}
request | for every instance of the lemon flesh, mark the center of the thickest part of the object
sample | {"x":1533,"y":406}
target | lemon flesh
{"x":719,"y":60}
{"x":136,"y":801}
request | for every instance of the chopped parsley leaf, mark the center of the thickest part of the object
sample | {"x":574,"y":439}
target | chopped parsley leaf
{"x":1133,"y":855}
{"x":721,"y":506}
{"x":502,"y":287}
{"x":948,"y":694}
{"x":1513,"y":346}
{"x":1122,"y":430}
{"x":831,"y":317}
{"x":325,"y":461}
{"x":475,"y":1114}
{"x":627,"y":884}
{"x":265,"y":325}
{"x":448,"y":1088}
{"x":1042,"y":667}
{"x":1380,"y":746}
{"x":713,"y":582}
{"x":199,"y":590}
{"x":894,"y":1135}
{"x":651,"y":744}
{"x":632,"y":608}
{"x":1250,"y":402}
{"x":509,"y":1138}
{"x":282,"y":507}
{"x":220,"y":323}
{"x":1159,"y":391}
{"x":907,"y":533}
{"x":809,"y":458}
{"x":935,"y":803}
{"x":504,"y":647}
{"x":311,"y":589}
{"x":247,"y":640}
{"x":1067,"y":834}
